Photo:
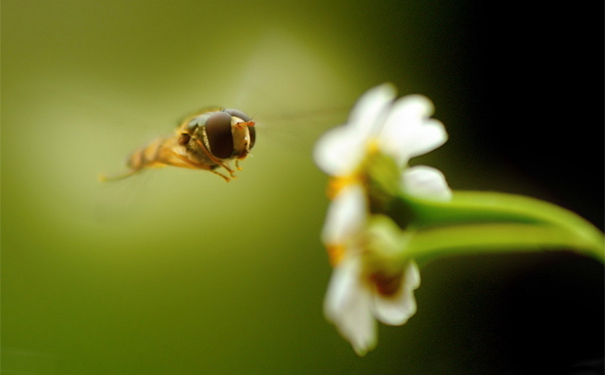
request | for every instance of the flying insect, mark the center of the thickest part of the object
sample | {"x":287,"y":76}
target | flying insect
{"x":207,"y":140}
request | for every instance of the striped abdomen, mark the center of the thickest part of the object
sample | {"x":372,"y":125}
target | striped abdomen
{"x":151,"y":156}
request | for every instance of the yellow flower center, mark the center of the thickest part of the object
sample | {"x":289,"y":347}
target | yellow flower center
{"x":337,"y":184}
{"x":335,"y":253}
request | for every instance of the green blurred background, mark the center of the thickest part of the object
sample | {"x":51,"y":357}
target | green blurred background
{"x":176,"y":272}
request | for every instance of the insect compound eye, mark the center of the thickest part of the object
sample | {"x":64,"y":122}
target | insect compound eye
{"x":252,"y":130}
{"x":218,"y":131}
{"x":237,"y":113}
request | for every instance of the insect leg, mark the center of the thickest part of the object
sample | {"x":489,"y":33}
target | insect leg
{"x":193,"y":164}
{"x":213,"y":158}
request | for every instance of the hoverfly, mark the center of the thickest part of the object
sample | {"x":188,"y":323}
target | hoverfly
{"x":206,"y":140}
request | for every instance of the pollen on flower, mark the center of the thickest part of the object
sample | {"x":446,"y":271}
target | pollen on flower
{"x":335,"y":254}
{"x":336,"y":184}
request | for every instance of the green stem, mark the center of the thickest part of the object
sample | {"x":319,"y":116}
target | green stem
{"x":427,"y":244}
{"x":487,"y":221}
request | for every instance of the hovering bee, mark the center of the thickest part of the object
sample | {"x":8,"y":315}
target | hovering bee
{"x":207,"y":140}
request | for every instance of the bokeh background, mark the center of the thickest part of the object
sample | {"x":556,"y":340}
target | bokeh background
{"x":176,"y":272}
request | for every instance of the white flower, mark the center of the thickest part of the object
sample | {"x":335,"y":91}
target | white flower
{"x":354,"y":302}
{"x":401,"y":129}
{"x":355,"y":299}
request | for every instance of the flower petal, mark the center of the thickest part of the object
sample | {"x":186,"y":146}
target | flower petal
{"x":412,"y":276}
{"x":358,"y":325}
{"x":422,"y":139}
{"x":408,"y":109}
{"x":347,"y":305}
{"x":397,"y":309}
{"x":371,"y":107}
{"x":346,"y":215}
{"x":425,"y":182}
{"x":409,"y":132}
{"x":339,"y":151}
{"x":341,"y":289}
